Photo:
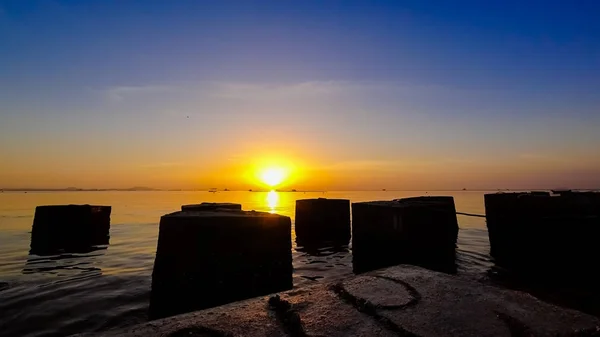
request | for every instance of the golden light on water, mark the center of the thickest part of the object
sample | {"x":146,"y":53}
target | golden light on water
{"x":272,"y":200}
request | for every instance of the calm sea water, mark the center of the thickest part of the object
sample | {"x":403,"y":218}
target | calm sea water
{"x":109,"y":287}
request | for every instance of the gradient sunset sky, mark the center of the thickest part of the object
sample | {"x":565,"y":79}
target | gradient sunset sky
{"x":343,"y":94}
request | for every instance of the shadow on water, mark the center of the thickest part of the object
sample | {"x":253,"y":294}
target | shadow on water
{"x":65,"y":262}
{"x":71,"y":305}
{"x":327,"y":261}
{"x":321,"y":256}
{"x":575,"y":290}
{"x":51,"y":256}
{"x":322,"y":249}
{"x":445,"y":263}
{"x":49,"y":248}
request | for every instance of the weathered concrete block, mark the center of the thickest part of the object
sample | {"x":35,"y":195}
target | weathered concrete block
{"x":541,"y":233}
{"x":322,"y":220}
{"x":211,"y":206}
{"x":209,"y":258}
{"x":421,"y":230}
{"x":398,"y":301}
{"x":69,"y":227}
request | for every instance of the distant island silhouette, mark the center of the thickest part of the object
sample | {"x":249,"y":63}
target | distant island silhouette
{"x":76,"y":189}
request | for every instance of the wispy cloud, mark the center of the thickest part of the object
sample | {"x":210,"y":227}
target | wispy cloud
{"x":380,"y":165}
{"x":383,"y":92}
{"x":162,"y":165}
{"x":119,"y":93}
{"x":253,"y":91}
{"x":235,"y":90}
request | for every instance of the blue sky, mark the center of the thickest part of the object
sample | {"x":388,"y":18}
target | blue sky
{"x":357,"y":94}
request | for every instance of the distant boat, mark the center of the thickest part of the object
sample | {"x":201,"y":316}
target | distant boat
{"x":226,"y":190}
{"x":213,"y":190}
{"x":464,"y":189}
{"x":294,"y":191}
{"x":383,"y":189}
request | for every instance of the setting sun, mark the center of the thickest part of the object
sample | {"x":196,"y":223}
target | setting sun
{"x":272,"y":171}
{"x":273,"y":176}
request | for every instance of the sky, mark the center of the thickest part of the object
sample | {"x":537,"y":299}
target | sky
{"x":342,"y":95}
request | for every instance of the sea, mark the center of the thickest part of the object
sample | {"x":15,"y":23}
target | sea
{"x":109,"y":286}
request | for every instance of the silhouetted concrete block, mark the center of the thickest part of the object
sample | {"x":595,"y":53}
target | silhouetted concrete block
{"x":543,"y":233}
{"x":421,"y":230}
{"x":70,"y":228}
{"x":211,"y":206}
{"x":322,"y":220}
{"x":209,"y":258}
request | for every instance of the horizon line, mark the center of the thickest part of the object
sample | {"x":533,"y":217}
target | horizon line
{"x":212,"y":190}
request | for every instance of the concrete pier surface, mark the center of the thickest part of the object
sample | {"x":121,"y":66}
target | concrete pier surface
{"x":397,"y":301}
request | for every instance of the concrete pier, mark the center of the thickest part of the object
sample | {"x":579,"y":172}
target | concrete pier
{"x":421,"y":230}
{"x":540,"y":233}
{"x":208,"y":258}
{"x":398,"y":301}
{"x":211,"y":206}
{"x":321,"y":221}
{"x":69,"y":228}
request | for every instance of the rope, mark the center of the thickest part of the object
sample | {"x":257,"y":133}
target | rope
{"x":458,"y":213}
{"x":471,"y":214}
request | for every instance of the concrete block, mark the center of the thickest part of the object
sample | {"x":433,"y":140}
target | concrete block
{"x":209,"y":258}
{"x":421,"y":230}
{"x":321,"y":221}
{"x":539,"y":233}
{"x":69,"y":228}
{"x":211,"y":206}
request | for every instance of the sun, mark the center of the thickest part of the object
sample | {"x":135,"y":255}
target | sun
{"x":273,"y":176}
{"x":272,"y":173}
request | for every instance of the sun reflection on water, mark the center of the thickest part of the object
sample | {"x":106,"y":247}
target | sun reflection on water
{"x":272,"y":200}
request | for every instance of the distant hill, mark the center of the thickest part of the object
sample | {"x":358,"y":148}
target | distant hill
{"x":75,"y":189}
{"x":140,"y":188}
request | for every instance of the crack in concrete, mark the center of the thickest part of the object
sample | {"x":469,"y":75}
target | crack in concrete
{"x":515,"y":326}
{"x":520,"y":329}
{"x":370,"y":309}
{"x":592,"y":332}
{"x":287,"y":317}
{"x":199,"y":331}
{"x":412,"y":291}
